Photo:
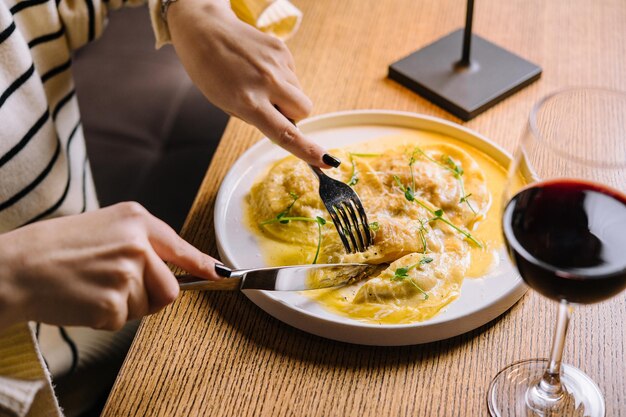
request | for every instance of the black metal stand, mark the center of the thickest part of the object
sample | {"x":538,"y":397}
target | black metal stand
{"x":471,"y":85}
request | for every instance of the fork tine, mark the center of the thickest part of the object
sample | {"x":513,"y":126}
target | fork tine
{"x":364,"y":223}
{"x":352,"y":213}
{"x":348,"y":226}
{"x":340,"y":229}
{"x":343,"y":204}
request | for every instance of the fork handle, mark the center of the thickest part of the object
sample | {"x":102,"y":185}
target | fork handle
{"x":317,"y":170}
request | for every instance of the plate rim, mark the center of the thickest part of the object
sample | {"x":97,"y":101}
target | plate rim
{"x":266,"y":301}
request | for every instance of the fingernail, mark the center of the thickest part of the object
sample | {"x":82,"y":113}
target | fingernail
{"x":331,"y":160}
{"x":222,"y":271}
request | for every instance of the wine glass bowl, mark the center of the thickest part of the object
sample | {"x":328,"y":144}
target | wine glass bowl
{"x":565,"y":230}
{"x":566,"y":239}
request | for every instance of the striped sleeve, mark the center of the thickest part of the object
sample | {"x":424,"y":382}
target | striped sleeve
{"x":84,"y":20}
{"x":43,"y":172}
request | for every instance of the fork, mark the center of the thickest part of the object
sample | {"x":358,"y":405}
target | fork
{"x":346,"y":210}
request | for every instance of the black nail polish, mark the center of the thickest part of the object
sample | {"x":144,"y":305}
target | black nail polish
{"x":331,"y":160}
{"x":222,"y":270}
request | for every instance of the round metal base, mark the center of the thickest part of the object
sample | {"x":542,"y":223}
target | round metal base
{"x":512,"y":393}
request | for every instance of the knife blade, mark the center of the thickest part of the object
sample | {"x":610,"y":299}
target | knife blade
{"x":282,"y":278}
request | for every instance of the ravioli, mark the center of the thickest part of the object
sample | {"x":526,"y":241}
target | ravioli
{"x":426,"y":198}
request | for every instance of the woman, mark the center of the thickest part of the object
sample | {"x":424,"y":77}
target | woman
{"x":63,"y":260}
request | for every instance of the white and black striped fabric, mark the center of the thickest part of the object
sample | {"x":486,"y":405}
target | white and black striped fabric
{"x":44,"y":170}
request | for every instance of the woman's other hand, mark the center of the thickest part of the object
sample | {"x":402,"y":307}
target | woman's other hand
{"x":244,"y":71}
{"x":98,"y":269}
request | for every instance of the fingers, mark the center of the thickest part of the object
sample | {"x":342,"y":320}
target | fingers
{"x":278,"y":128}
{"x":292,"y":102}
{"x":291,"y":63}
{"x":292,"y":78}
{"x":138,"y":301}
{"x":160,"y":284}
{"x":172,"y":248}
{"x":156,"y":286}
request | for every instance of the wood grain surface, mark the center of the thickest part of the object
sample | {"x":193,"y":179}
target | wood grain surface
{"x":217,"y":354}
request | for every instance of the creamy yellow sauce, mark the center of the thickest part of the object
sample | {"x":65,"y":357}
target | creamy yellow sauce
{"x":436,"y":281}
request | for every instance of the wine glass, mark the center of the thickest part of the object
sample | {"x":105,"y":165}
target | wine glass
{"x":565,"y":230}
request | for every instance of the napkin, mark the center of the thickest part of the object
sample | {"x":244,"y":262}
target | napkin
{"x":17,"y":395}
{"x":25,"y":385}
{"x":279,"y":18}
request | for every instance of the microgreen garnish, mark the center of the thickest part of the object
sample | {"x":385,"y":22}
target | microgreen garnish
{"x":402,"y":273}
{"x":422,"y":231}
{"x":283,"y":218}
{"x":320,"y":222}
{"x":411,"y":162}
{"x":374,"y":226}
{"x":354,"y":176}
{"x":464,"y":199}
{"x":453,"y":166}
{"x":287,"y":219}
{"x":408,"y":191}
{"x":458,"y":174}
{"x":437,"y":213}
{"x":365,"y":155}
{"x":456,"y":170}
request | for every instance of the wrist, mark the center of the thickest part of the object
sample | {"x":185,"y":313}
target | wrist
{"x":13,"y":298}
{"x":164,"y":7}
{"x":178,"y":8}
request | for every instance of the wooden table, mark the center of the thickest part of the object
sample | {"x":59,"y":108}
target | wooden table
{"x":217,"y":354}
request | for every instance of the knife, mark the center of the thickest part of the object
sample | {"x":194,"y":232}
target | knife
{"x":282,"y":278}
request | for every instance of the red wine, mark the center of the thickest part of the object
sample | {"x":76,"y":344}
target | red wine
{"x":568,"y":239}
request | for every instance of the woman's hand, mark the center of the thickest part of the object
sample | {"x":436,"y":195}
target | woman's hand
{"x":244,"y":71}
{"x":98,"y":269}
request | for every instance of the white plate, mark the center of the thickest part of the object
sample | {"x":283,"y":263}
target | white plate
{"x":481,"y":299}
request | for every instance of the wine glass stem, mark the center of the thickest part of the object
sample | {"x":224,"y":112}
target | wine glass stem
{"x":548,"y":390}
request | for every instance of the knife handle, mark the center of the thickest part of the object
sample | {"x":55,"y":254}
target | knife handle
{"x":190,"y":282}
{"x":232,"y":283}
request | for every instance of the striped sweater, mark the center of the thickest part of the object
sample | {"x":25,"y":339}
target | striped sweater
{"x":44,"y":170}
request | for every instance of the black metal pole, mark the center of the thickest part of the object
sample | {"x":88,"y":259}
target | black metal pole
{"x":467,"y":35}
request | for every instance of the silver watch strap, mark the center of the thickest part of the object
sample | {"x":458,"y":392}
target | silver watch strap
{"x":165,"y":4}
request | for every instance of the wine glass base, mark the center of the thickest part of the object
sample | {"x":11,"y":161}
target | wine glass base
{"x":508,"y":394}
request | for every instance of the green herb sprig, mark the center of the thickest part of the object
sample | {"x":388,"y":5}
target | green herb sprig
{"x":365,"y":155}
{"x":402,"y":273}
{"x":437,"y":214}
{"x":422,"y":233}
{"x":456,"y":170}
{"x":354,"y":175}
{"x":458,"y":174}
{"x":320,"y":222}
{"x":284,"y":218}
